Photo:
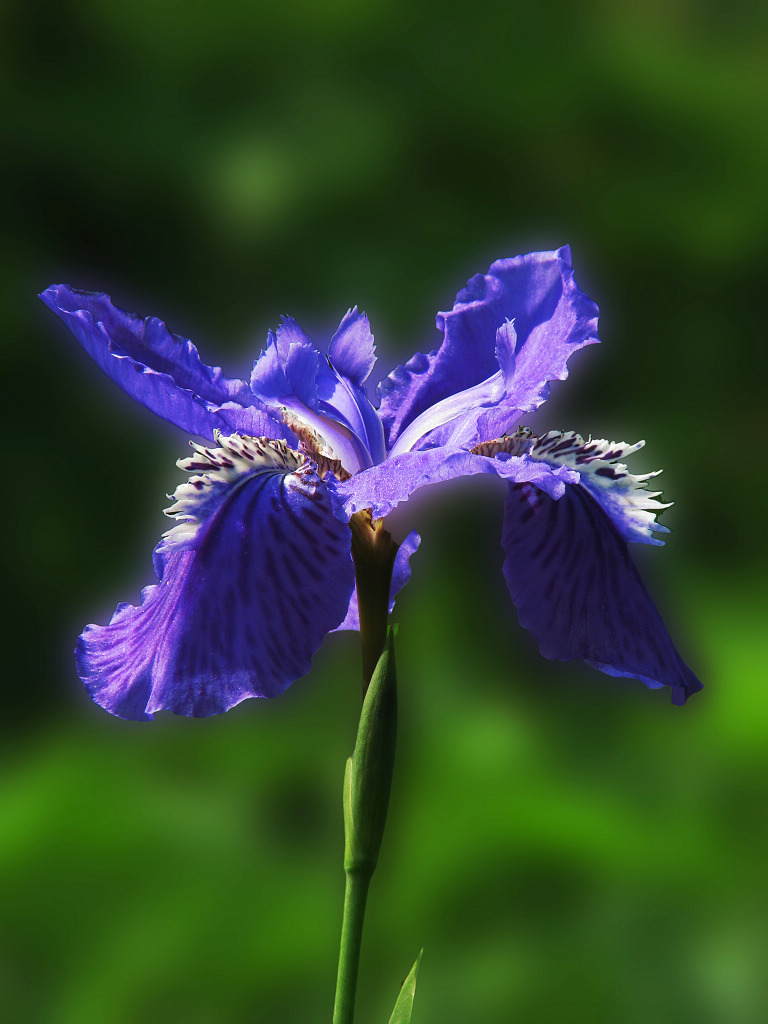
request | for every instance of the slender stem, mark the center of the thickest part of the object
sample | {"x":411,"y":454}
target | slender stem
{"x":373,"y":554}
{"x":355,"y":896}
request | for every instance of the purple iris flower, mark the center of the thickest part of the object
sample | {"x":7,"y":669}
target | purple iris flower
{"x":258,"y":568}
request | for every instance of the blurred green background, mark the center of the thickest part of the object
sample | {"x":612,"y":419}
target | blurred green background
{"x":564,"y":845}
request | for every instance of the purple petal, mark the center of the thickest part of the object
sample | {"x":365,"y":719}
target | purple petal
{"x":293,"y":374}
{"x":400,"y":576}
{"x":552,"y":319}
{"x":346,"y":404}
{"x":576,"y":589}
{"x":622,"y":495}
{"x":383,"y":487}
{"x":247,"y":592}
{"x":468,"y":417}
{"x":352,"y":350}
{"x":288,"y":367}
{"x":285,"y":377}
{"x":159,"y":369}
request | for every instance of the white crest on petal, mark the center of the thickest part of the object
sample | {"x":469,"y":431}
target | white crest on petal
{"x":623,"y":495}
{"x":236,"y":459}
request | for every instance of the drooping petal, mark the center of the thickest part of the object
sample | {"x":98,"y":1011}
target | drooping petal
{"x":622,"y":495}
{"x":255,"y":574}
{"x":352,"y":351}
{"x":401,"y":575}
{"x":159,"y":369}
{"x":576,"y":589}
{"x":383,"y":487}
{"x":552,"y":320}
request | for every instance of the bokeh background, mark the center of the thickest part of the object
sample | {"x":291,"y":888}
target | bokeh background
{"x":564,"y":845}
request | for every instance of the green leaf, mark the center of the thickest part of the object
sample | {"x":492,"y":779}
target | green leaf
{"x":404,"y":1005}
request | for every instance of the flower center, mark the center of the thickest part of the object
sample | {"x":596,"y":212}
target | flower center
{"x":519,"y":443}
{"x":315,"y":447}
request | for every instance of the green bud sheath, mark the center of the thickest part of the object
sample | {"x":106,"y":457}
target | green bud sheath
{"x":369,"y":776}
{"x":367,"y":783}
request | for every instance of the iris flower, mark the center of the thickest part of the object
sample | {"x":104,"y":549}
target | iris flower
{"x":257,"y":568}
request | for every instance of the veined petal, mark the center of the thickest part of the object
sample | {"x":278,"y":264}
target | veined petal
{"x":576,"y":589}
{"x":401,"y":575}
{"x":552,"y":319}
{"x":622,"y":495}
{"x":159,"y":369}
{"x":383,"y":487}
{"x":253,"y":577}
{"x":216,"y":473}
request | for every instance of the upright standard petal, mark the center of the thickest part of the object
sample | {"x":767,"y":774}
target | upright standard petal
{"x":576,"y":589}
{"x":254,"y":575}
{"x":352,"y":351}
{"x":159,"y":369}
{"x":288,"y":366}
{"x":552,"y":320}
{"x":484,"y":410}
{"x":294,"y":379}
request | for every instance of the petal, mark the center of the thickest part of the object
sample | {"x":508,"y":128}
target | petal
{"x":352,"y":350}
{"x":292,"y":374}
{"x":462,"y":419}
{"x":383,"y":487}
{"x":401,"y":575}
{"x":552,"y":319}
{"x":288,"y":366}
{"x":159,"y":369}
{"x":253,"y":577}
{"x":576,"y":589}
{"x":346,"y":404}
{"x":622,"y":495}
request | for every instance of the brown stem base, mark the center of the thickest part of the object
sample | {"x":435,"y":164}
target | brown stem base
{"x":373,"y":553}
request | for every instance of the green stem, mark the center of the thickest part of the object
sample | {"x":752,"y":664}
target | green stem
{"x":355,"y":896}
{"x":373,"y":554}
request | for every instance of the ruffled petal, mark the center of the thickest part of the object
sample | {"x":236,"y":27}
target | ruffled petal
{"x":552,"y":320}
{"x":383,"y":487}
{"x":401,"y":575}
{"x":255,"y":574}
{"x":576,"y":589}
{"x":288,"y":366}
{"x":159,"y":369}
{"x":352,"y":350}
